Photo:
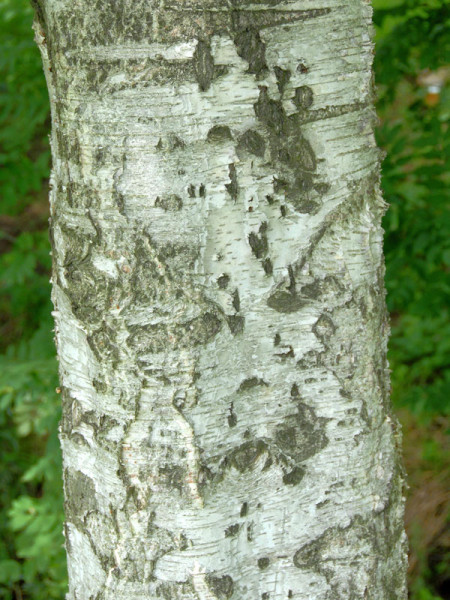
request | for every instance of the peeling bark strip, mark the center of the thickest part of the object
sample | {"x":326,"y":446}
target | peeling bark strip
{"x":219,"y":301}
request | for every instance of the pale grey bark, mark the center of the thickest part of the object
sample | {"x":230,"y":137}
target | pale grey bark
{"x":219,"y":301}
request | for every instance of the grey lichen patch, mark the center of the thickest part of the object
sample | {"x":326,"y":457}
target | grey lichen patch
{"x":259,"y":243}
{"x":251,"y":383}
{"x":303,"y":97}
{"x":283,"y":77}
{"x":219,"y":133}
{"x":252,"y":142}
{"x":203,"y":65}
{"x":170,"y":202}
{"x":232,"y":530}
{"x":302,"y":434}
{"x":232,"y":187}
{"x":251,"y":48}
{"x":324,"y":328}
{"x":236,"y":324}
{"x":294,"y":477}
{"x":263,"y":563}
{"x":221,"y":587}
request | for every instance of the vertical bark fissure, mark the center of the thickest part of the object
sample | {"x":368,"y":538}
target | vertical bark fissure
{"x":219,"y":301}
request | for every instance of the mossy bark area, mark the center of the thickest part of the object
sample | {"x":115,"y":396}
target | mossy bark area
{"x":219,"y":301}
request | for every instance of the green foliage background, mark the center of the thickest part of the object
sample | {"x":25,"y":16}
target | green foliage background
{"x":411,"y":35}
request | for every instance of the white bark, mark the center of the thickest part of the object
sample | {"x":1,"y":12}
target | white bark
{"x":219,"y":301}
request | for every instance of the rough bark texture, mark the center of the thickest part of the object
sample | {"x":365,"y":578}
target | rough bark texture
{"x":219,"y":301}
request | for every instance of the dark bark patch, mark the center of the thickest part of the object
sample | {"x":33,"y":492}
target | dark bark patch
{"x":305,"y":155}
{"x":244,"y":509}
{"x":79,"y":495}
{"x":223,"y":281}
{"x":232,"y":187}
{"x":288,"y":353}
{"x":232,"y":420}
{"x":221,"y":587}
{"x":169,"y":203}
{"x":267,"y":266}
{"x":245,"y":455}
{"x":173,"y":476}
{"x":259,"y":243}
{"x":307,"y":207}
{"x":263,"y":563}
{"x":219,"y":133}
{"x":232,"y":530}
{"x":250,"y":383}
{"x":236,"y":301}
{"x":294,"y":391}
{"x":102,"y":342}
{"x":302,"y":68}
{"x":170,"y":143}
{"x":236,"y":324}
{"x":270,"y":112}
{"x":289,"y":149}
{"x":252,"y":142}
{"x":259,"y":19}
{"x":324,"y":328}
{"x":203,"y":330}
{"x":310,"y":360}
{"x":283,"y":76}
{"x":285,"y":302}
{"x":301,"y":435}
{"x":251,"y":48}
{"x":294,"y":477}
{"x":203,"y":65}
{"x":303,"y":97}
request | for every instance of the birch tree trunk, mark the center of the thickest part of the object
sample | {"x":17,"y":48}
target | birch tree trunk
{"x":219,"y":301}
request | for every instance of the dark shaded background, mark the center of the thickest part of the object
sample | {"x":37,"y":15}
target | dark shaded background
{"x":412,"y":75}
